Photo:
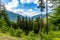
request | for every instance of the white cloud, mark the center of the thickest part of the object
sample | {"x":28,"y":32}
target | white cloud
{"x":34,"y":1}
{"x":22,"y":1}
{"x":29,"y":1}
{"x":19,"y":10}
{"x":23,"y":12}
{"x":33,"y":13}
{"x":11,"y":5}
{"x":30,"y":10}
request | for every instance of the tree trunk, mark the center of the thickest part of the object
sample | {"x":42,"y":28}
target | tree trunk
{"x":41,"y":26}
{"x":46,"y":16}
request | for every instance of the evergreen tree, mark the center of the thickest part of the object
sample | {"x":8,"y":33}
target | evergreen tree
{"x":37,"y":25}
{"x":22,"y":22}
{"x":14,"y":25}
{"x":4,"y":15}
{"x":18,"y":21}
{"x":55,"y":19}
{"x":46,"y":16}
{"x":41,"y":6}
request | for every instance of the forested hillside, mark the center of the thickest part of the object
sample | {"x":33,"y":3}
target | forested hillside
{"x":38,"y":28}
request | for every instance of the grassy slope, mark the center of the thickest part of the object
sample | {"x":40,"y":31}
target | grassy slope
{"x":55,"y":35}
{"x":6,"y":37}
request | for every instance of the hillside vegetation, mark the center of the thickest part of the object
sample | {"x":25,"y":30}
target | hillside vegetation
{"x":29,"y":28}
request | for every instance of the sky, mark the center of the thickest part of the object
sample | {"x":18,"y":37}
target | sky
{"x":24,"y":7}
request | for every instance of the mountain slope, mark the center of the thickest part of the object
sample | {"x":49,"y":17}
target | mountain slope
{"x":13,"y":16}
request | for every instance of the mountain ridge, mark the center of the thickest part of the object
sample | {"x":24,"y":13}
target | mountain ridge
{"x":13,"y":16}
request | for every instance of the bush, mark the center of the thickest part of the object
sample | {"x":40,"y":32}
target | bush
{"x":51,"y":35}
{"x":3,"y":26}
{"x":56,"y":39}
{"x":46,"y":37}
{"x":55,"y":34}
{"x":12,"y":32}
{"x":53,"y":27}
{"x":31,"y":34}
{"x":4,"y":29}
{"x":19,"y":32}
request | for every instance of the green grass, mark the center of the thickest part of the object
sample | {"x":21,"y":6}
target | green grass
{"x":56,"y":39}
{"x":53,"y":35}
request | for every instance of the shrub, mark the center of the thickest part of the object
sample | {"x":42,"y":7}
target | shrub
{"x":31,"y":33}
{"x":56,"y":39}
{"x":12,"y":32}
{"x":55,"y":34}
{"x":5,"y":29}
{"x":19,"y":32}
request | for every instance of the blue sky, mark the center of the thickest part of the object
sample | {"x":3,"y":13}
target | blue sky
{"x":23,"y":7}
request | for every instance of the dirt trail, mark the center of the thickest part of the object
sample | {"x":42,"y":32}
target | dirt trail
{"x":4,"y":36}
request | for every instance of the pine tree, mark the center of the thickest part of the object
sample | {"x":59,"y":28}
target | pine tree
{"x":4,"y":15}
{"x":18,"y":21}
{"x":41,"y":6}
{"x":22,"y":22}
{"x":55,"y":18}
{"x":46,"y":16}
